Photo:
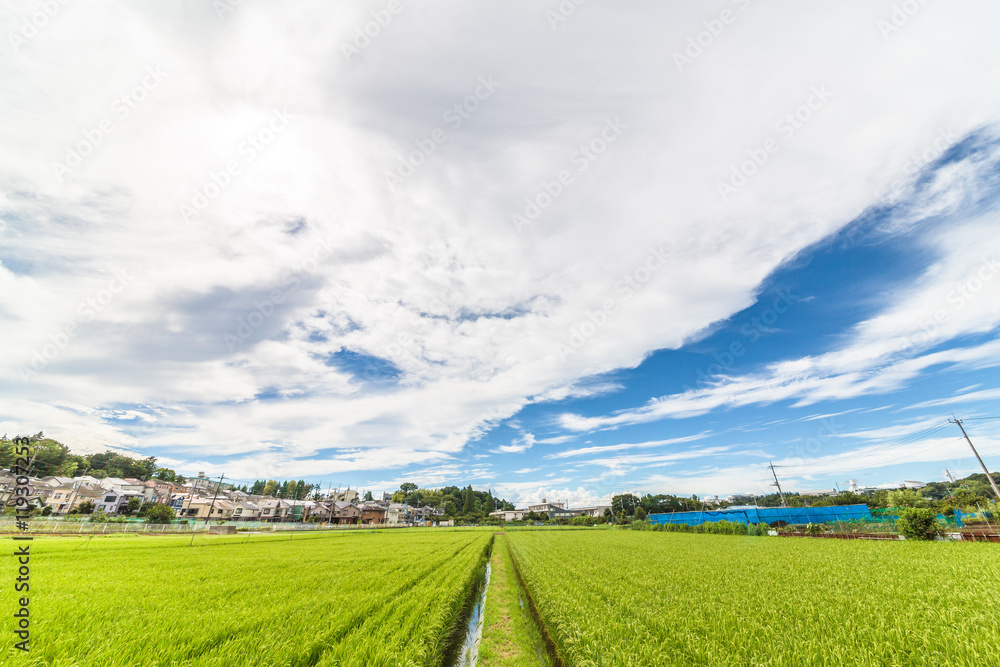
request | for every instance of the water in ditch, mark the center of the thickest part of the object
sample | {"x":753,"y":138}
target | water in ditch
{"x":468,"y":654}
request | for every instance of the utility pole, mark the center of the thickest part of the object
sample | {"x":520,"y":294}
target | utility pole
{"x":777,"y":484}
{"x":956,"y":420}
{"x":211,"y":507}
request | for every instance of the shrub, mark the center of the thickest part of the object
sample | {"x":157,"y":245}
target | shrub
{"x":917,"y":523}
{"x":158,"y":513}
{"x":814,"y":528}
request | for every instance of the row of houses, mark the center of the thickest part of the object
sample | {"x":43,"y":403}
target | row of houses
{"x":64,"y":494}
{"x":553,"y":510}
{"x":198,"y":500}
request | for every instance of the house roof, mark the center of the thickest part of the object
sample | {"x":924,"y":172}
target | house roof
{"x":57,"y":481}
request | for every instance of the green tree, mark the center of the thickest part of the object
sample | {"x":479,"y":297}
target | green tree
{"x":86,"y":507}
{"x":640,"y":514}
{"x":270,"y":487}
{"x":469,"y":505}
{"x":133,"y":506}
{"x":368,"y":496}
{"x":966,"y":498}
{"x":906,"y":498}
{"x":406,"y":488}
{"x":625,"y":503}
{"x":166,"y":474}
{"x":50,"y":456}
{"x":155,"y":513}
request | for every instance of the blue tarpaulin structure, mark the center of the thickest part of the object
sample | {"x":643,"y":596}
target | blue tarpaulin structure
{"x":769,"y":515}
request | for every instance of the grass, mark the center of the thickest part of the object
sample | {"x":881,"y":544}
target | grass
{"x":652,"y":598}
{"x":342,"y":599}
{"x":510,"y":636}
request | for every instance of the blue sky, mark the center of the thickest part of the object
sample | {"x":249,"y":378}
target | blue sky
{"x":561,"y":259}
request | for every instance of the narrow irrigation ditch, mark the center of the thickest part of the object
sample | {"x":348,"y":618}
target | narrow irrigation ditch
{"x":511,"y":636}
{"x":499,"y":593}
{"x":463,"y":644}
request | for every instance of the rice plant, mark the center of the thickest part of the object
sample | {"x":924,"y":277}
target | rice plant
{"x":652,"y":598}
{"x":343,"y":599}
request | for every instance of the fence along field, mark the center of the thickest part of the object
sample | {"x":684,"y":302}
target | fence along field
{"x":613,"y":598}
{"x":343,"y":599}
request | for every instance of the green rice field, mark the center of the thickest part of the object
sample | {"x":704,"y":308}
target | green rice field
{"x":581,"y":598}
{"x":331,"y":599}
{"x":648,"y":598}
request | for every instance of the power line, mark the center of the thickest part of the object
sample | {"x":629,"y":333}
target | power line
{"x":908,"y":440}
{"x":958,"y":422}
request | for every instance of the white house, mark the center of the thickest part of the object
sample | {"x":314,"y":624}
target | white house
{"x":114,"y":500}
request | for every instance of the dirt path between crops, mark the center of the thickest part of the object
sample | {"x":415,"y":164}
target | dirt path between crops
{"x":510,"y":636}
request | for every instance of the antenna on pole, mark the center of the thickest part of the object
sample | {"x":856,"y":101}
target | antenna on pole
{"x":956,"y":420}
{"x":777,"y":483}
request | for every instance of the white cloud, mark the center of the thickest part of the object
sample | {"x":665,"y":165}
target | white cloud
{"x":957,"y":296}
{"x":598,"y":449}
{"x":432,"y":278}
